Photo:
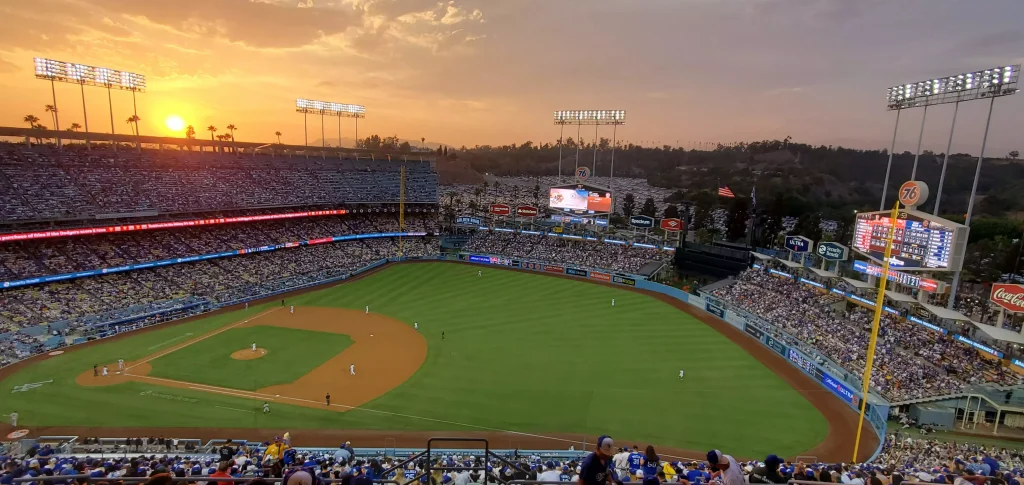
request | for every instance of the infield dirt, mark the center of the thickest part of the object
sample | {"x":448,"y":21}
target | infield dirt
{"x":374,"y":337}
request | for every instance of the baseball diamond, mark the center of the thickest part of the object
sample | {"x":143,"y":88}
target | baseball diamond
{"x":594,"y":366}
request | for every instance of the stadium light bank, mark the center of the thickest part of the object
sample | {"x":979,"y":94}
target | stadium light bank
{"x":84,"y":75}
{"x":324,"y":108}
{"x":588,"y":117}
{"x":988,"y":84}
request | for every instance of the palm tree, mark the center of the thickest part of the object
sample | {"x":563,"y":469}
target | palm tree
{"x":31,"y":120}
{"x":212,"y":129}
{"x":190,"y":132}
{"x":40,"y":127}
{"x":75,"y":127}
{"x":278,"y":133}
{"x":53,"y":113}
{"x":232,"y":128}
{"x":423,"y":141}
{"x":131,"y":123}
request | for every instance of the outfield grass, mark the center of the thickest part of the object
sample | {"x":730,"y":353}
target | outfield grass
{"x":291,"y":354}
{"x":523,"y":352}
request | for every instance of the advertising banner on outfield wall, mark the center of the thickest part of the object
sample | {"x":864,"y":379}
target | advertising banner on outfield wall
{"x":550,"y":268}
{"x":716,"y":311}
{"x":839,"y":389}
{"x":753,"y":331}
{"x":576,"y":272}
{"x":775,"y":345}
{"x":622,"y":280}
{"x":605,"y":277}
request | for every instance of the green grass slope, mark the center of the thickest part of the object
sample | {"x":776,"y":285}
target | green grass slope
{"x":523,"y":352}
{"x":291,"y":354}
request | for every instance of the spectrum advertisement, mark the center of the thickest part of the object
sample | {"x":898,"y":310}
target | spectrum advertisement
{"x":204,"y":257}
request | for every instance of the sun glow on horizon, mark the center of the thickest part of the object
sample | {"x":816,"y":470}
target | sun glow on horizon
{"x":174,"y":123}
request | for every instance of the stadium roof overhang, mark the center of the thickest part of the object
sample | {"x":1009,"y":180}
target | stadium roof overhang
{"x":857,"y":283}
{"x":791,"y":264}
{"x":897,"y":296}
{"x":762,"y":257}
{"x":823,"y":273}
{"x":997,"y":333}
{"x":946,"y":313}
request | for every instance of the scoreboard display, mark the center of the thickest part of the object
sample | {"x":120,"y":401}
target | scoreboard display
{"x":580,"y":199}
{"x":921,"y":241}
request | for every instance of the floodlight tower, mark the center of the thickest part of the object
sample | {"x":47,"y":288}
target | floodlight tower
{"x":590,"y":117}
{"x":84,"y":75}
{"x":984,"y":84}
{"x":323,"y":108}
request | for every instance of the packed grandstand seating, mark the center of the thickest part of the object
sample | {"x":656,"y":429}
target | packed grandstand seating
{"x":904,"y":458}
{"x":41,"y":183}
{"x":911,"y":361}
{"x":592,"y":254}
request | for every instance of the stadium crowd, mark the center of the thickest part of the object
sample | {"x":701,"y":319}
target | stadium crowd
{"x":559,"y":250}
{"x":910,"y":361}
{"x":903,"y":459}
{"x":41,"y":183}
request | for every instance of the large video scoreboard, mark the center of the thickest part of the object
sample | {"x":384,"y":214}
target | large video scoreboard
{"x":921,"y":241}
{"x":580,"y":199}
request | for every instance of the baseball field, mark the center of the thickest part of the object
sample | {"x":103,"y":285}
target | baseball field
{"x":521,"y":358}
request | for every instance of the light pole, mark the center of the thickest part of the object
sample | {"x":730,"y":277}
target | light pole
{"x":587,"y":117}
{"x":945,"y":160}
{"x":85,"y":117}
{"x":110,"y":103}
{"x":984,"y":84}
{"x":920,"y":136}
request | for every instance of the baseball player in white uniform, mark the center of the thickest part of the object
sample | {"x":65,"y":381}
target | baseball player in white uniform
{"x":254,"y":346}
{"x":680,"y":374}
{"x":613,"y":301}
{"x":479,"y":273}
{"x":367,"y":309}
{"x":415,"y":326}
{"x":352,"y":369}
{"x":292,"y":309}
{"x":105,"y":373}
{"x":120,"y":364}
{"x":266,"y":408}
{"x":14,"y":418}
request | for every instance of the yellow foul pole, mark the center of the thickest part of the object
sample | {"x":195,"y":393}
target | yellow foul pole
{"x":875,"y":324}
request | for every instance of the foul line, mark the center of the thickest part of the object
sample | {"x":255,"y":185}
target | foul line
{"x":235,"y":409}
{"x":268,"y":397}
{"x":200,"y":339}
{"x":171,"y":340}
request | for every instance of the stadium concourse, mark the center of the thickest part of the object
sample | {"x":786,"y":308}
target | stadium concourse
{"x":911,"y":362}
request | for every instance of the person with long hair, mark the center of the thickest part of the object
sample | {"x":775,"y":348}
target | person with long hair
{"x":651,"y":466}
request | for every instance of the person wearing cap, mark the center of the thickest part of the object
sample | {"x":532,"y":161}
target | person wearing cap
{"x":597,"y":467}
{"x":725,"y":467}
{"x":550,"y":474}
{"x":769,"y":473}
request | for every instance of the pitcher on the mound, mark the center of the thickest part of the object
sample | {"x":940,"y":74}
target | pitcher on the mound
{"x":254,"y":346}
{"x":352,"y":369}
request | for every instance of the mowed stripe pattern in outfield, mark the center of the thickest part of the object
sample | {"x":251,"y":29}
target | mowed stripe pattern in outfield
{"x":523,"y":352}
{"x":536,"y":354}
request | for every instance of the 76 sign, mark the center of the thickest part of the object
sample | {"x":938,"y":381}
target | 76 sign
{"x":913,"y":193}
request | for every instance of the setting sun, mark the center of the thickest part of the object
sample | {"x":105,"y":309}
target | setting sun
{"x":175,"y":123}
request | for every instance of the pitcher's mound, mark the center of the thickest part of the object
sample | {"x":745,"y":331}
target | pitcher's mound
{"x":248,"y":354}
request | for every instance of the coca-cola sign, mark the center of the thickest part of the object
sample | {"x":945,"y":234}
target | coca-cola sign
{"x":526,"y":211}
{"x":500,"y":209}
{"x":1010,"y":297}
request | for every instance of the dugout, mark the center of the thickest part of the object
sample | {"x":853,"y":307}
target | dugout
{"x":940,"y":417}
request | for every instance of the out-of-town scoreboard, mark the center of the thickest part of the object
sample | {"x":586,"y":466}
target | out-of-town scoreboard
{"x":921,"y":241}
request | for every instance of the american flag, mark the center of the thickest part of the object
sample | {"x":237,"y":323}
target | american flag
{"x":724,"y":191}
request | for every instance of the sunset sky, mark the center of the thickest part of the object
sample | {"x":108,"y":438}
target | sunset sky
{"x":467,"y":72}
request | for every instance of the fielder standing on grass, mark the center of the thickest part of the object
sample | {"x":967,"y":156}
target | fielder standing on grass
{"x":328,"y":398}
{"x":14,"y":418}
{"x":266,"y":407}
